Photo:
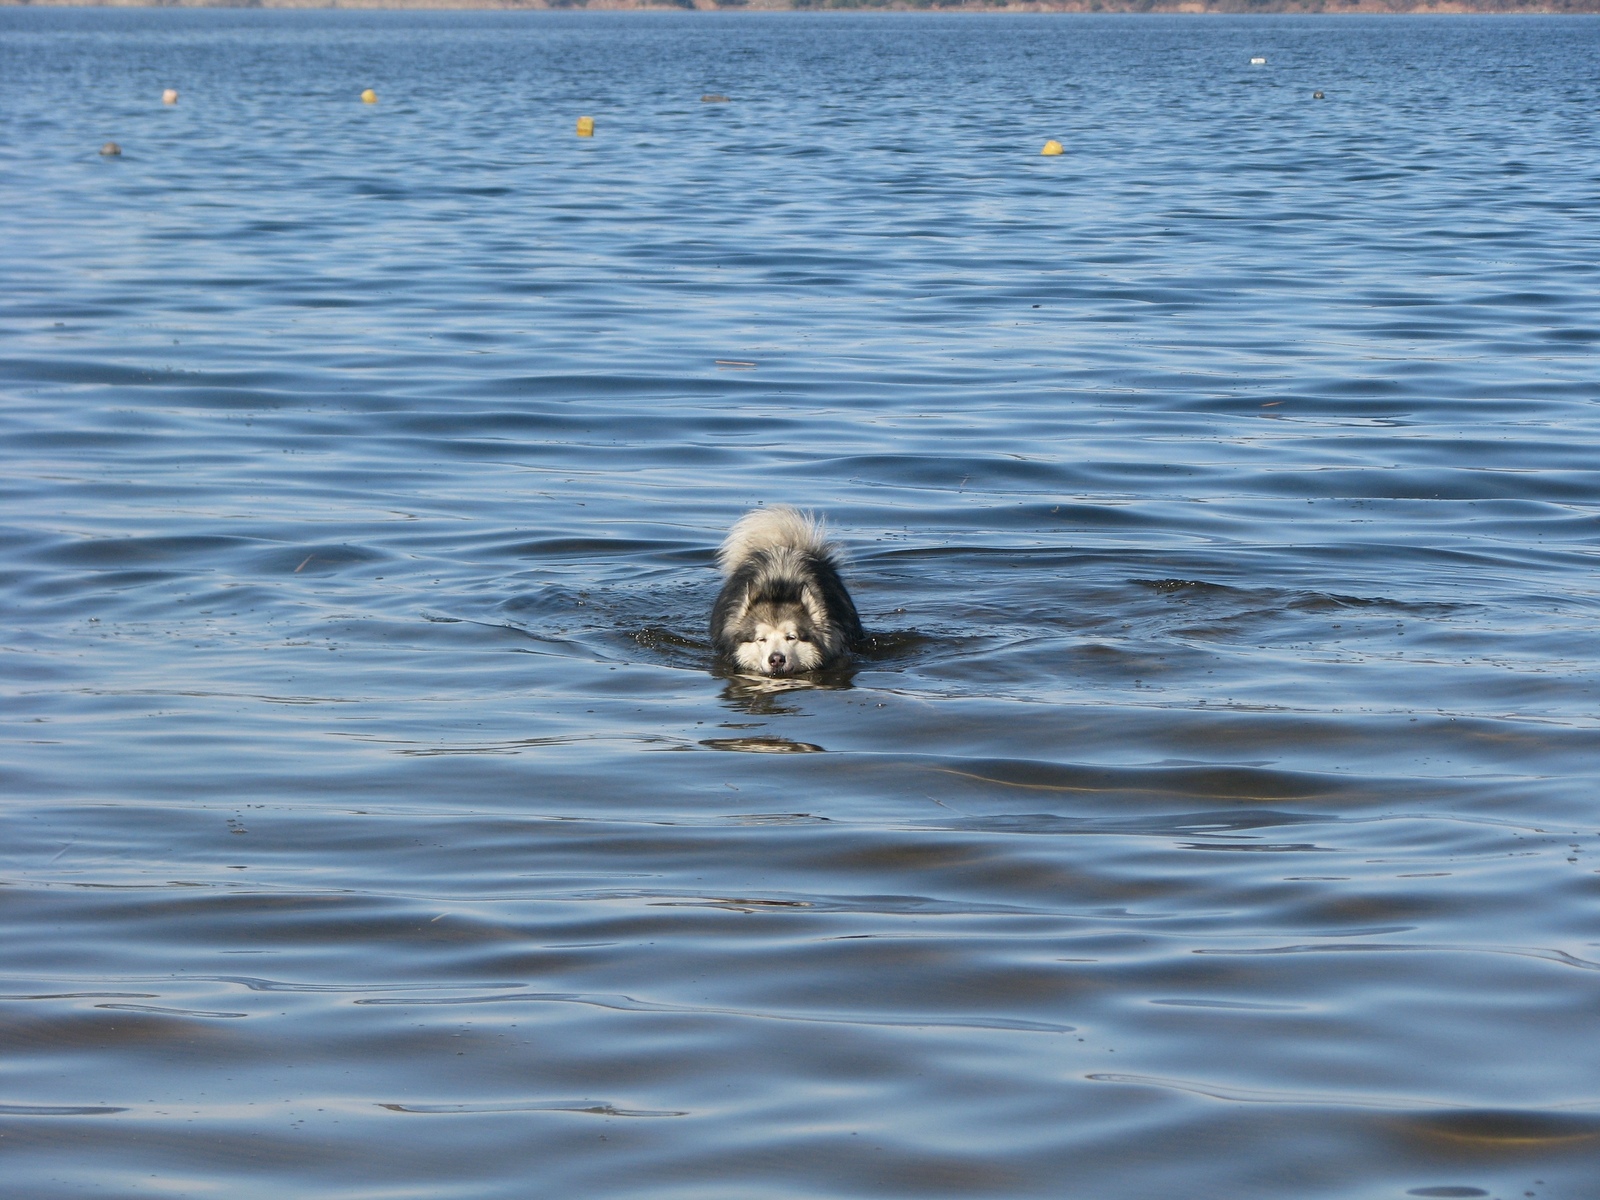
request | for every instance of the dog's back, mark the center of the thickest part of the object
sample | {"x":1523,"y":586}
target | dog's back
{"x":768,"y":530}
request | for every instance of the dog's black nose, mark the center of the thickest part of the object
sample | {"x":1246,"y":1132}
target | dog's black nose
{"x":776,"y":661}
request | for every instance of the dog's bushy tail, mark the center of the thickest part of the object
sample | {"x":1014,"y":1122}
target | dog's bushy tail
{"x":777,"y":528}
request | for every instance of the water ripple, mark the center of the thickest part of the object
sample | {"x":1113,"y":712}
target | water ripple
{"x":1220,"y":499}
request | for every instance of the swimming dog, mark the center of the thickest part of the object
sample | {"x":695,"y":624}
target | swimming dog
{"x":783,"y":609}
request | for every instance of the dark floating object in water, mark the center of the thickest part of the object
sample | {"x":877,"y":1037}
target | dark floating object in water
{"x":1318,"y":96}
{"x":110,"y":149}
{"x":770,"y":744}
{"x":713,"y":98}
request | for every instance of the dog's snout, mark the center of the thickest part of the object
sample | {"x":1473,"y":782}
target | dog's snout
{"x":776,"y":660}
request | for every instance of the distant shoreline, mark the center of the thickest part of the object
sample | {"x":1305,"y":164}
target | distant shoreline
{"x":1193,"y":7}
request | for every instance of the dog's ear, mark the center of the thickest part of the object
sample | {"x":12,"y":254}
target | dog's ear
{"x":817,"y":610}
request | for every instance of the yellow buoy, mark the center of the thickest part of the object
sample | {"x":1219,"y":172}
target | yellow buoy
{"x":170,"y":96}
{"x":585,"y":126}
{"x":369,"y":97}
{"x":110,"y":148}
{"x":1052,"y":147}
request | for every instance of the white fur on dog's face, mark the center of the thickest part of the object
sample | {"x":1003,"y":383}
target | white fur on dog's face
{"x":781,"y":646}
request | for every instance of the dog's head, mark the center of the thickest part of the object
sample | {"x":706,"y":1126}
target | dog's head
{"x":779,"y":637}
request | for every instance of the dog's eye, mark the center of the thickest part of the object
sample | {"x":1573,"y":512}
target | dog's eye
{"x":788,"y":637}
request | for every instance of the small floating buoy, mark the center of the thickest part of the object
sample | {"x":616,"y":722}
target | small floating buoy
{"x":170,"y":96}
{"x":713,"y":98}
{"x":1053,"y":147}
{"x":369,"y":97}
{"x":110,"y":149}
{"x":1258,"y":62}
{"x":585,"y":126}
{"x":1317,"y":96}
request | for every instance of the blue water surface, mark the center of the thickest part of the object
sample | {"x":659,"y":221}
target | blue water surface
{"x":1213,"y":813}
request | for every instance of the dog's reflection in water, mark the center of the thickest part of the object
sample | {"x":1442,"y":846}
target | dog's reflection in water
{"x":768,"y":696}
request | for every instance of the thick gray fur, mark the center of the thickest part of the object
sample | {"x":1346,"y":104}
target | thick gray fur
{"x":784,"y":608}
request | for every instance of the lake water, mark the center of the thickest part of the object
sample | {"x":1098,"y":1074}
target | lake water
{"x":1214,"y":813}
